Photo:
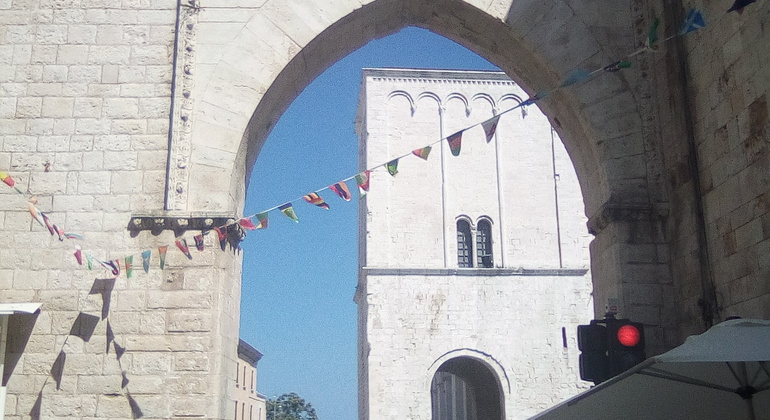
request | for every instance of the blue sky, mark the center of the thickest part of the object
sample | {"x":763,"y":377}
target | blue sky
{"x":299,"y":278}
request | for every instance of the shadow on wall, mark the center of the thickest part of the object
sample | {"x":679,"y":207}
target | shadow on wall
{"x":83,"y":328}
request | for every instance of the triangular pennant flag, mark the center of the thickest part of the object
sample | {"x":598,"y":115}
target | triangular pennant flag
{"x":490,"y":127}
{"x":362,"y":180}
{"x":316,"y":200}
{"x":124,"y":381}
{"x":222,"y":236}
{"x":162,"y":254}
{"x":129,"y":261}
{"x":90,"y":261}
{"x":8,"y":180}
{"x":181,"y":243}
{"x":341,"y":189}
{"x":48,"y":224}
{"x":692,"y":22}
{"x":146,"y":260}
{"x":70,"y":235}
{"x":652,"y":36}
{"x":575,"y":77}
{"x":262,"y":219}
{"x":532,"y":99}
{"x":246,"y":223}
{"x":455,"y":143}
{"x":739,"y":5}
{"x":79,"y":254}
{"x":113,"y":266}
{"x":422,"y":153}
{"x":616,"y":66}
{"x":36,"y":214}
{"x":59,"y":232}
{"x":199,"y":242}
{"x":392,"y":167}
{"x":288,"y":210}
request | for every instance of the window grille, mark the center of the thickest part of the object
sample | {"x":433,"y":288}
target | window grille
{"x":464,"y":244}
{"x":484,"y":245}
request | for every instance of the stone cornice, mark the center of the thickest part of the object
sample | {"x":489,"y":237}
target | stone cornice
{"x":439,"y":76}
{"x":476,"y":272}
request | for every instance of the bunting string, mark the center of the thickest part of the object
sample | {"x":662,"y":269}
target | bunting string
{"x":693,"y":22}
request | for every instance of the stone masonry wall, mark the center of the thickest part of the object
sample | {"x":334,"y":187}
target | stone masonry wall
{"x":84,"y":103}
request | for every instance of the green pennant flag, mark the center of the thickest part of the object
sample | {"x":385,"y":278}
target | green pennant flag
{"x":288,"y":210}
{"x":392,"y":167}
{"x":262,"y":218}
{"x":362,"y":180}
{"x":129,"y":260}
{"x":652,"y":36}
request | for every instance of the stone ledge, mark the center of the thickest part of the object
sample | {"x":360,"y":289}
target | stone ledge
{"x":542,"y":272}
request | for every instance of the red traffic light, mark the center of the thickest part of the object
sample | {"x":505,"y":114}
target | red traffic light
{"x":628,"y":335}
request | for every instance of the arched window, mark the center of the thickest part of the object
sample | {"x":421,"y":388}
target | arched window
{"x":464,"y":244}
{"x":484,"y":244}
{"x":465,"y":389}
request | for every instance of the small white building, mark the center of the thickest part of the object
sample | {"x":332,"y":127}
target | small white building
{"x":473,"y":268}
{"x":249,"y":404}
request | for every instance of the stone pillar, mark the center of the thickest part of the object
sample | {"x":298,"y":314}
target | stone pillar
{"x":630,"y":266}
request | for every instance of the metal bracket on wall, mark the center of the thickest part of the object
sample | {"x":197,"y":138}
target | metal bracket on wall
{"x":180,"y":225}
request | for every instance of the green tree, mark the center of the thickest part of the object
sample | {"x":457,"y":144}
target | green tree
{"x":290,"y":407}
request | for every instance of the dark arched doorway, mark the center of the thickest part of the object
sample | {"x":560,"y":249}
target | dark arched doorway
{"x":464,"y":388}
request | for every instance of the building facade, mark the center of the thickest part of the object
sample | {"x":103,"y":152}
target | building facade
{"x":473,"y":265}
{"x":249,"y":403}
{"x":111,"y":112}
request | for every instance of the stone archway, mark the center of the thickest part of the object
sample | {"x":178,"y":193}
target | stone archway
{"x":250,"y":71}
{"x":464,"y":388}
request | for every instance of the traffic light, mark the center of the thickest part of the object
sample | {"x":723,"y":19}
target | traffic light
{"x":625,"y":345}
{"x":592,"y":343}
{"x":609,"y":347}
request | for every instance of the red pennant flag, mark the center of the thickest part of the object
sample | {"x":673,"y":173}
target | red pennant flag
{"x":162,"y":254}
{"x":455,"y":143}
{"x":341,"y":189}
{"x":316,"y":200}
{"x":246,"y":223}
{"x":199,"y":242}
{"x":422,"y":153}
{"x":79,"y":254}
{"x":222,"y":236}
{"x":181,"y":243}
{"x":490,"y":127}
{"x":7,"y":179}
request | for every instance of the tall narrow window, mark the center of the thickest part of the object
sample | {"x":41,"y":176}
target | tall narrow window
{"x":238,"y":375}
{"x":464,"y":244}
{"x":484,"y":245}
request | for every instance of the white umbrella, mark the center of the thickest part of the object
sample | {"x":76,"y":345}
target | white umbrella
{"x":723,"y":373}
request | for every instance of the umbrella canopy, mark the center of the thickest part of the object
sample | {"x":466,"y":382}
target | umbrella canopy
{"x":723,"y":373}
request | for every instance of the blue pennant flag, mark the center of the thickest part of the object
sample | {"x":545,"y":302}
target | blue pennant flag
{"x":576,"y":76}
{"x":693,"y":22}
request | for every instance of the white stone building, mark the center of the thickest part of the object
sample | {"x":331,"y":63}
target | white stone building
{"x":474,"y":268}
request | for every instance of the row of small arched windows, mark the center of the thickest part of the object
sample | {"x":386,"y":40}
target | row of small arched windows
{"x":483,"y":242}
